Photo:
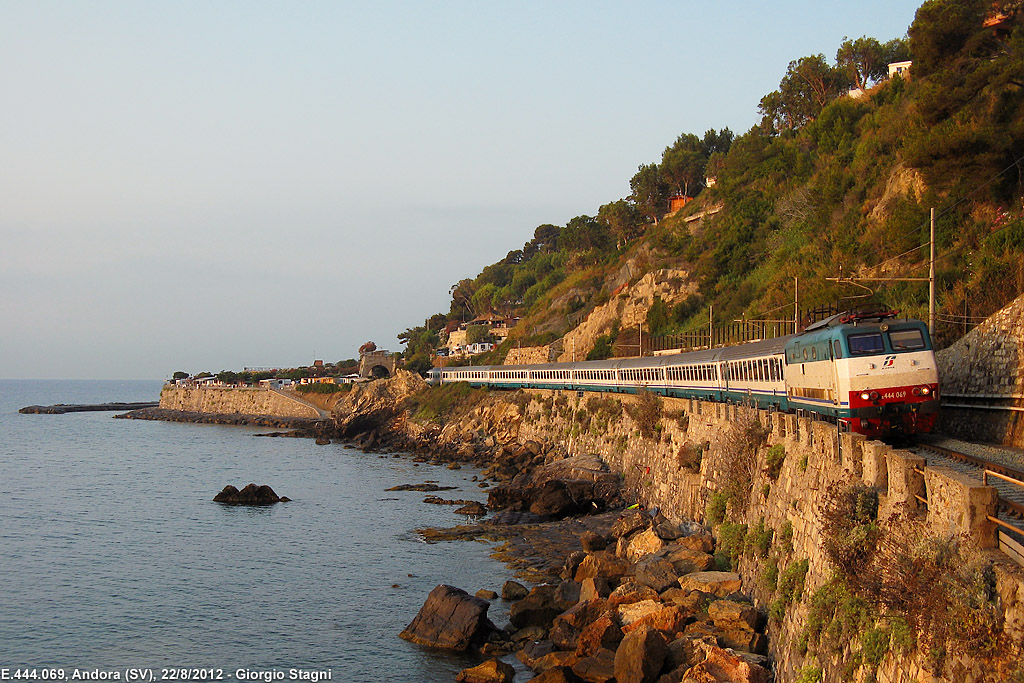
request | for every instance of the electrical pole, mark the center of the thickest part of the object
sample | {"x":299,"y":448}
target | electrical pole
{"x":931,"y":276}
{"x":711,"y":325}
{"x":640,"y":342}
{"x":796,"y":305}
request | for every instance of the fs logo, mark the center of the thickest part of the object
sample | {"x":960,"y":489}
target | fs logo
{"x":889,"y":362}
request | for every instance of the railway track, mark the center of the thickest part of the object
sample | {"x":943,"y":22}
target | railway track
{"x":1002,"y":468}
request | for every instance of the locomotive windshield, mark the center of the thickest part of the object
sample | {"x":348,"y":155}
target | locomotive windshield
{"x":904,"y":340}
{"x":863,"y":344}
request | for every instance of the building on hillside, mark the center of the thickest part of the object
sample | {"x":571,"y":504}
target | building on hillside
{"x":678,"y":201}
{"x":318,"y":364}
{"x":478,"y":347}
{"x":276,"y":383}
{"x":318,"y":380}
{"x":498,"y":327}
{"x":901,"y":69}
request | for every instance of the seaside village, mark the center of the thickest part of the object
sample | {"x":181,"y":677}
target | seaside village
{"x":460,"y":342}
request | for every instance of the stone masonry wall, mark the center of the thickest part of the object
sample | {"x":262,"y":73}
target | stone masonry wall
{"x":231,"y":401}
{"x":982,"y":380}
{"x":528,"y":355}
{"x":815,"y":457}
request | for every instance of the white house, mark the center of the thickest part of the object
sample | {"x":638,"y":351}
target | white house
{"x":900,"y":69}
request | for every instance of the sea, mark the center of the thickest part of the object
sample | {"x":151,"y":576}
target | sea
{"x":114,"y":557}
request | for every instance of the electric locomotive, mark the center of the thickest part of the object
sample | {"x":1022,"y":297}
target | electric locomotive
{"x":870,"y":371}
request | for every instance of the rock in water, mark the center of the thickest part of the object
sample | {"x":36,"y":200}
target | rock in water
{"x":250,"y":495}
{"x":493,"y":671}
{"x":451,"y":619}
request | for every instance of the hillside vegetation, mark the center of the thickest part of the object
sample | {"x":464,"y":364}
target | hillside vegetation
{"x":826,"y":185}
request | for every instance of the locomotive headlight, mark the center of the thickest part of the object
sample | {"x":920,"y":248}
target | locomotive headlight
{"x":926,"y":390}
{"x":865,"y":396}
{"x":873,"y":396}
{"x":916,"y":391}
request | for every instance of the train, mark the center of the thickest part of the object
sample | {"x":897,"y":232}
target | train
{"x":872,"y":373}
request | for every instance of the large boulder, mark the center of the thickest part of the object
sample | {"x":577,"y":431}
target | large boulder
{"x":604,"y":565}
{"x":630,"y":591}
{"x":594,"y":587}
{"x":719,"y":664}
{"x":513,"y":590}
{"x":557,"y":674}
{"x":701,"y":541}
{"x":534,"y":651}
{"x":687,"y":560}
{"x":538,"y":608}
{"x":670,"y":620}
{"x":656,"y":572}
{"x":451,"y":619}
{"x":250,"y":495}
{"x":732,"y":615}
{"x":637,"y":610}
{"x":721,"y":584}
{"x":492,"y":671}
{"x":553,"y":499}
{"x":602,"y":633}
{"x":596,"y":668}
{"x":567,"y":626}
{"x":640,"y":656}
{"x":630,"y":522}
{"x":644,"y":543}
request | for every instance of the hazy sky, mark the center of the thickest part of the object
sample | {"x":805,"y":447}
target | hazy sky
{"x":213,"y":185}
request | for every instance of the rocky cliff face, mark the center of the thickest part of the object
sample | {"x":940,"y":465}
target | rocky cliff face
{"x":629,"y":307}
{"x":371,"y":405}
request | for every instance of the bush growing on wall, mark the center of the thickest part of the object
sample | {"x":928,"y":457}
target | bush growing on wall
{"x":645,"y":412}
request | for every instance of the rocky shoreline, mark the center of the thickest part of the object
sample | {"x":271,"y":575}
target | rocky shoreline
{"x":639,"y":603}
{"x":618,"y":596}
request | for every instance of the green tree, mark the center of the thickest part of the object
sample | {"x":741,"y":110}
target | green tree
{"x":658,"y":317}
{"x":477,"y":333}
{"x":584,"y":233}
{"x":809,"y":84}
{"x":941,"y":29}
{"x":649,"y":191}
{"x":682,"y":164}
{"x":717,"y":142}
{"x":863,"y":60}
{"x":622,"y":219}
{"x":482,"y":298}
{"x":180,"y":374}
{"x":602,"y":348}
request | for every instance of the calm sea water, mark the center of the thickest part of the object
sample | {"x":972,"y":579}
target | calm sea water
{"x":113,"y":555}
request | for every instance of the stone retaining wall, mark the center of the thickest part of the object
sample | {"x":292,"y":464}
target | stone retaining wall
{"x":528,"y":355}
{"x":229,"y":401}
{"x":982,"y":380}
{"x":816,"y":456}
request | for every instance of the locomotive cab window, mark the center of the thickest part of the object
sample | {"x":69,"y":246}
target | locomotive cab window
{"x":837,"y":349}
{"x":906,"y":340}
{"x":863,"y":344}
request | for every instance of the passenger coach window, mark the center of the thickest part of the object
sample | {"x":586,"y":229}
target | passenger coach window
{"x":902,"y":340}
{"x":861,"y":344}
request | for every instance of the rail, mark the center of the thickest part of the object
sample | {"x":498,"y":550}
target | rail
{"x":1008,"y":535}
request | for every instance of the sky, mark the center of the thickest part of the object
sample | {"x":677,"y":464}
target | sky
{"x":204,"y":186}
